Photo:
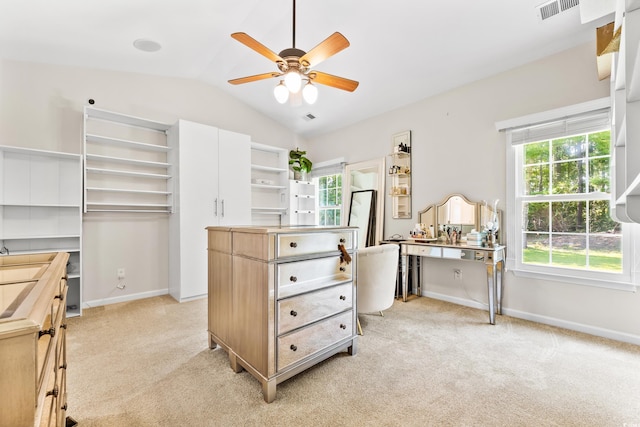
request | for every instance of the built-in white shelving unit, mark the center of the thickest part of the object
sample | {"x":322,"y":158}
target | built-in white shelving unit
{"x":625,"y":139}
{"x":41,"y":209}
{"x":303,"y":203}
{"x":269,"y":184}
{"x":400,"y":175}
{"x":126,"y":165}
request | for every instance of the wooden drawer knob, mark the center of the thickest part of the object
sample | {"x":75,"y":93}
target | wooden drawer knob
{"x":293,"y":347}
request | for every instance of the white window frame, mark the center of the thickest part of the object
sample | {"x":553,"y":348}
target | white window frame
{"x":339,"y":206}
{"x":327,"y":168}
{"x":515,"y":200}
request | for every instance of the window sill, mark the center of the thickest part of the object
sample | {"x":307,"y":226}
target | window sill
{"x":599,"y":283}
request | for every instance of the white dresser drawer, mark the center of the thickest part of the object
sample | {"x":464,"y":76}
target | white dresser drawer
{"x":304,"y":276}
{"x":304,"y":309}
{"x":313,"y":243}
{"x":429,"y":251}
{"x":306,"y":341}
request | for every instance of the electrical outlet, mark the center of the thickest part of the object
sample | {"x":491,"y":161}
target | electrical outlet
{"x":457,"y":274}
{"x":120,"y":273}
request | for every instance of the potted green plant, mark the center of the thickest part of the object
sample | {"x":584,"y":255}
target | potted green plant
{"x":300,"y":164}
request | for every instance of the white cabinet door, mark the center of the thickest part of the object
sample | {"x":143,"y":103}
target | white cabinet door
{"x":234,"y":174}
{"x":195,"y":152}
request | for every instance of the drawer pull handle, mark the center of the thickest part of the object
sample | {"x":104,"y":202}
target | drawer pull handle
{"x":293,"y":347}
{"x":51,"y":331}
{"x":293,"y":313}
{"x":343,"y":298}
{"x":63,"y":366}
{"x":53,"y":392}
{"x":63,"y":326}
{"x":293,"y":279}
{"x":293,"y":244}
{"x":343,"y":240}
{"x":343,"y":326}
{"x":343,"y":269}
{"x":64,"y":407}
{"x":60,"y":297}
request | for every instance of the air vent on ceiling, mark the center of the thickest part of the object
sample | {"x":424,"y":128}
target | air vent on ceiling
{"x":308,"y":117}
{"x":554,"y":7}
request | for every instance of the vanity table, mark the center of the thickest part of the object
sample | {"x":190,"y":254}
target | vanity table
{"x":457,"y":212}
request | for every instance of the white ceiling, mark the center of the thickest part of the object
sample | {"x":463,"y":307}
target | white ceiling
{"x":401,"y":51}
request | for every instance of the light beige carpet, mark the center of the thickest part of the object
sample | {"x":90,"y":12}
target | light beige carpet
{"x":426,"y":363}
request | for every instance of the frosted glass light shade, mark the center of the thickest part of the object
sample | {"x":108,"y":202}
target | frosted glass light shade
{"x":281,"y":93}
{"x":293,"y":81}
{"x":310,"y":93}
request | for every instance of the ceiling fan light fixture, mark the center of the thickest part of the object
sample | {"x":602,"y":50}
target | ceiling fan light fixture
{"x":293,"y":81}
{"x":310,"y":93}
{"x":281,"y":93}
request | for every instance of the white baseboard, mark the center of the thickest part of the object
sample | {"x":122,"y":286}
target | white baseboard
{"x":124,"y":298}
{"x":560,"y":323}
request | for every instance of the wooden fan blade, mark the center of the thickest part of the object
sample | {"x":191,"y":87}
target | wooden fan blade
{"x":329,"y":47}
{"x":252,"y":43}
{"x":255,"y":78}
{"x":333,"y":81}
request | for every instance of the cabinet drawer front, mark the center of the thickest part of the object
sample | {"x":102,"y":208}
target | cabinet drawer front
{"x":429,"y":251}
{"x":305,"y":342}
{"x":305,"y":309}
{"x":313,"y":243}
{"x":304,"y":276}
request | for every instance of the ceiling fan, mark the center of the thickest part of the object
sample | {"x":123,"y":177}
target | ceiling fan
{"x":295,"y":65}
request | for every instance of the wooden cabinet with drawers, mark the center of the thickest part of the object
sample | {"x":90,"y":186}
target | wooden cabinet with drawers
{"x":33,"y":356}
{"x":281,"y":299}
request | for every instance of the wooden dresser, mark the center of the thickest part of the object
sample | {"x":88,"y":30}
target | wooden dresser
{"x":33,"y":357}
{"x":281,"y":299}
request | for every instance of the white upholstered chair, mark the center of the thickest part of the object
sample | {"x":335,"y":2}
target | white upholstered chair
{"x":377,"y":271}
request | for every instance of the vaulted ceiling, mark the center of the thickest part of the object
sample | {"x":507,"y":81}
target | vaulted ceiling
{"x":401,"y":51}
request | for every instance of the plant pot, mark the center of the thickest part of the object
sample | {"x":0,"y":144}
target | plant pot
{"x":299,"y":175}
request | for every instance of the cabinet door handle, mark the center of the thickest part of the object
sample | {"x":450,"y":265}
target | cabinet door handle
{"x":293,"y":313}
{"x":343,"y":269}
{"x":51,"y":331}
{"x":222,"y":215}
{"x":53,"y":392}
{"x":293,"y":279}
{"x":215,"y":207}
{"x":293,"y":347}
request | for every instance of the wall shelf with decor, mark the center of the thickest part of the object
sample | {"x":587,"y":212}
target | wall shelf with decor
{"x":269,"y":184}
{"x":303,"y":203}
{"x":400,"y":175}
{"x":126,"y":166}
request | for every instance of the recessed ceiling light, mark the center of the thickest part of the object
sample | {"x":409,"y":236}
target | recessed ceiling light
{"x":147,"y":45}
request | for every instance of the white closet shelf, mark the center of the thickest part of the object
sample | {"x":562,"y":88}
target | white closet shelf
{"x":304,"y":211}
{"x":126,"y":142}
{"x":633,"y":94}
{"x":269,"y":186}
{"x":126,"y":190}
{"x":127,"y":173}
{"x":39,"y":251}
{"x":304,"y":196}
{"x":38,"y":205}
{"x":96,"y":113}
{"x":101,"y":158}
{"x":267,"y":210}
{"x":136,"y":205}
{"x":31,"y":152}
{"x":268,"y":169}
{"x":46,"y":236}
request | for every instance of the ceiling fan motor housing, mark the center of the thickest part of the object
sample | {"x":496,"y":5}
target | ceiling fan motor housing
{"x":291,"y":58}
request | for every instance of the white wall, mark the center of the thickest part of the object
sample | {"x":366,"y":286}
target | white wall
{"x":41,"y":107}
{"x":456,"y":149}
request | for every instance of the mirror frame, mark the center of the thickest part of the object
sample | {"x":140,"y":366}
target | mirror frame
{"x":429,"y":215}
{"x":367,"y":221}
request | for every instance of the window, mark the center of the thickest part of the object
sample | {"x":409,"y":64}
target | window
{"x":558,"y":213}
{"x":330,"y":199}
